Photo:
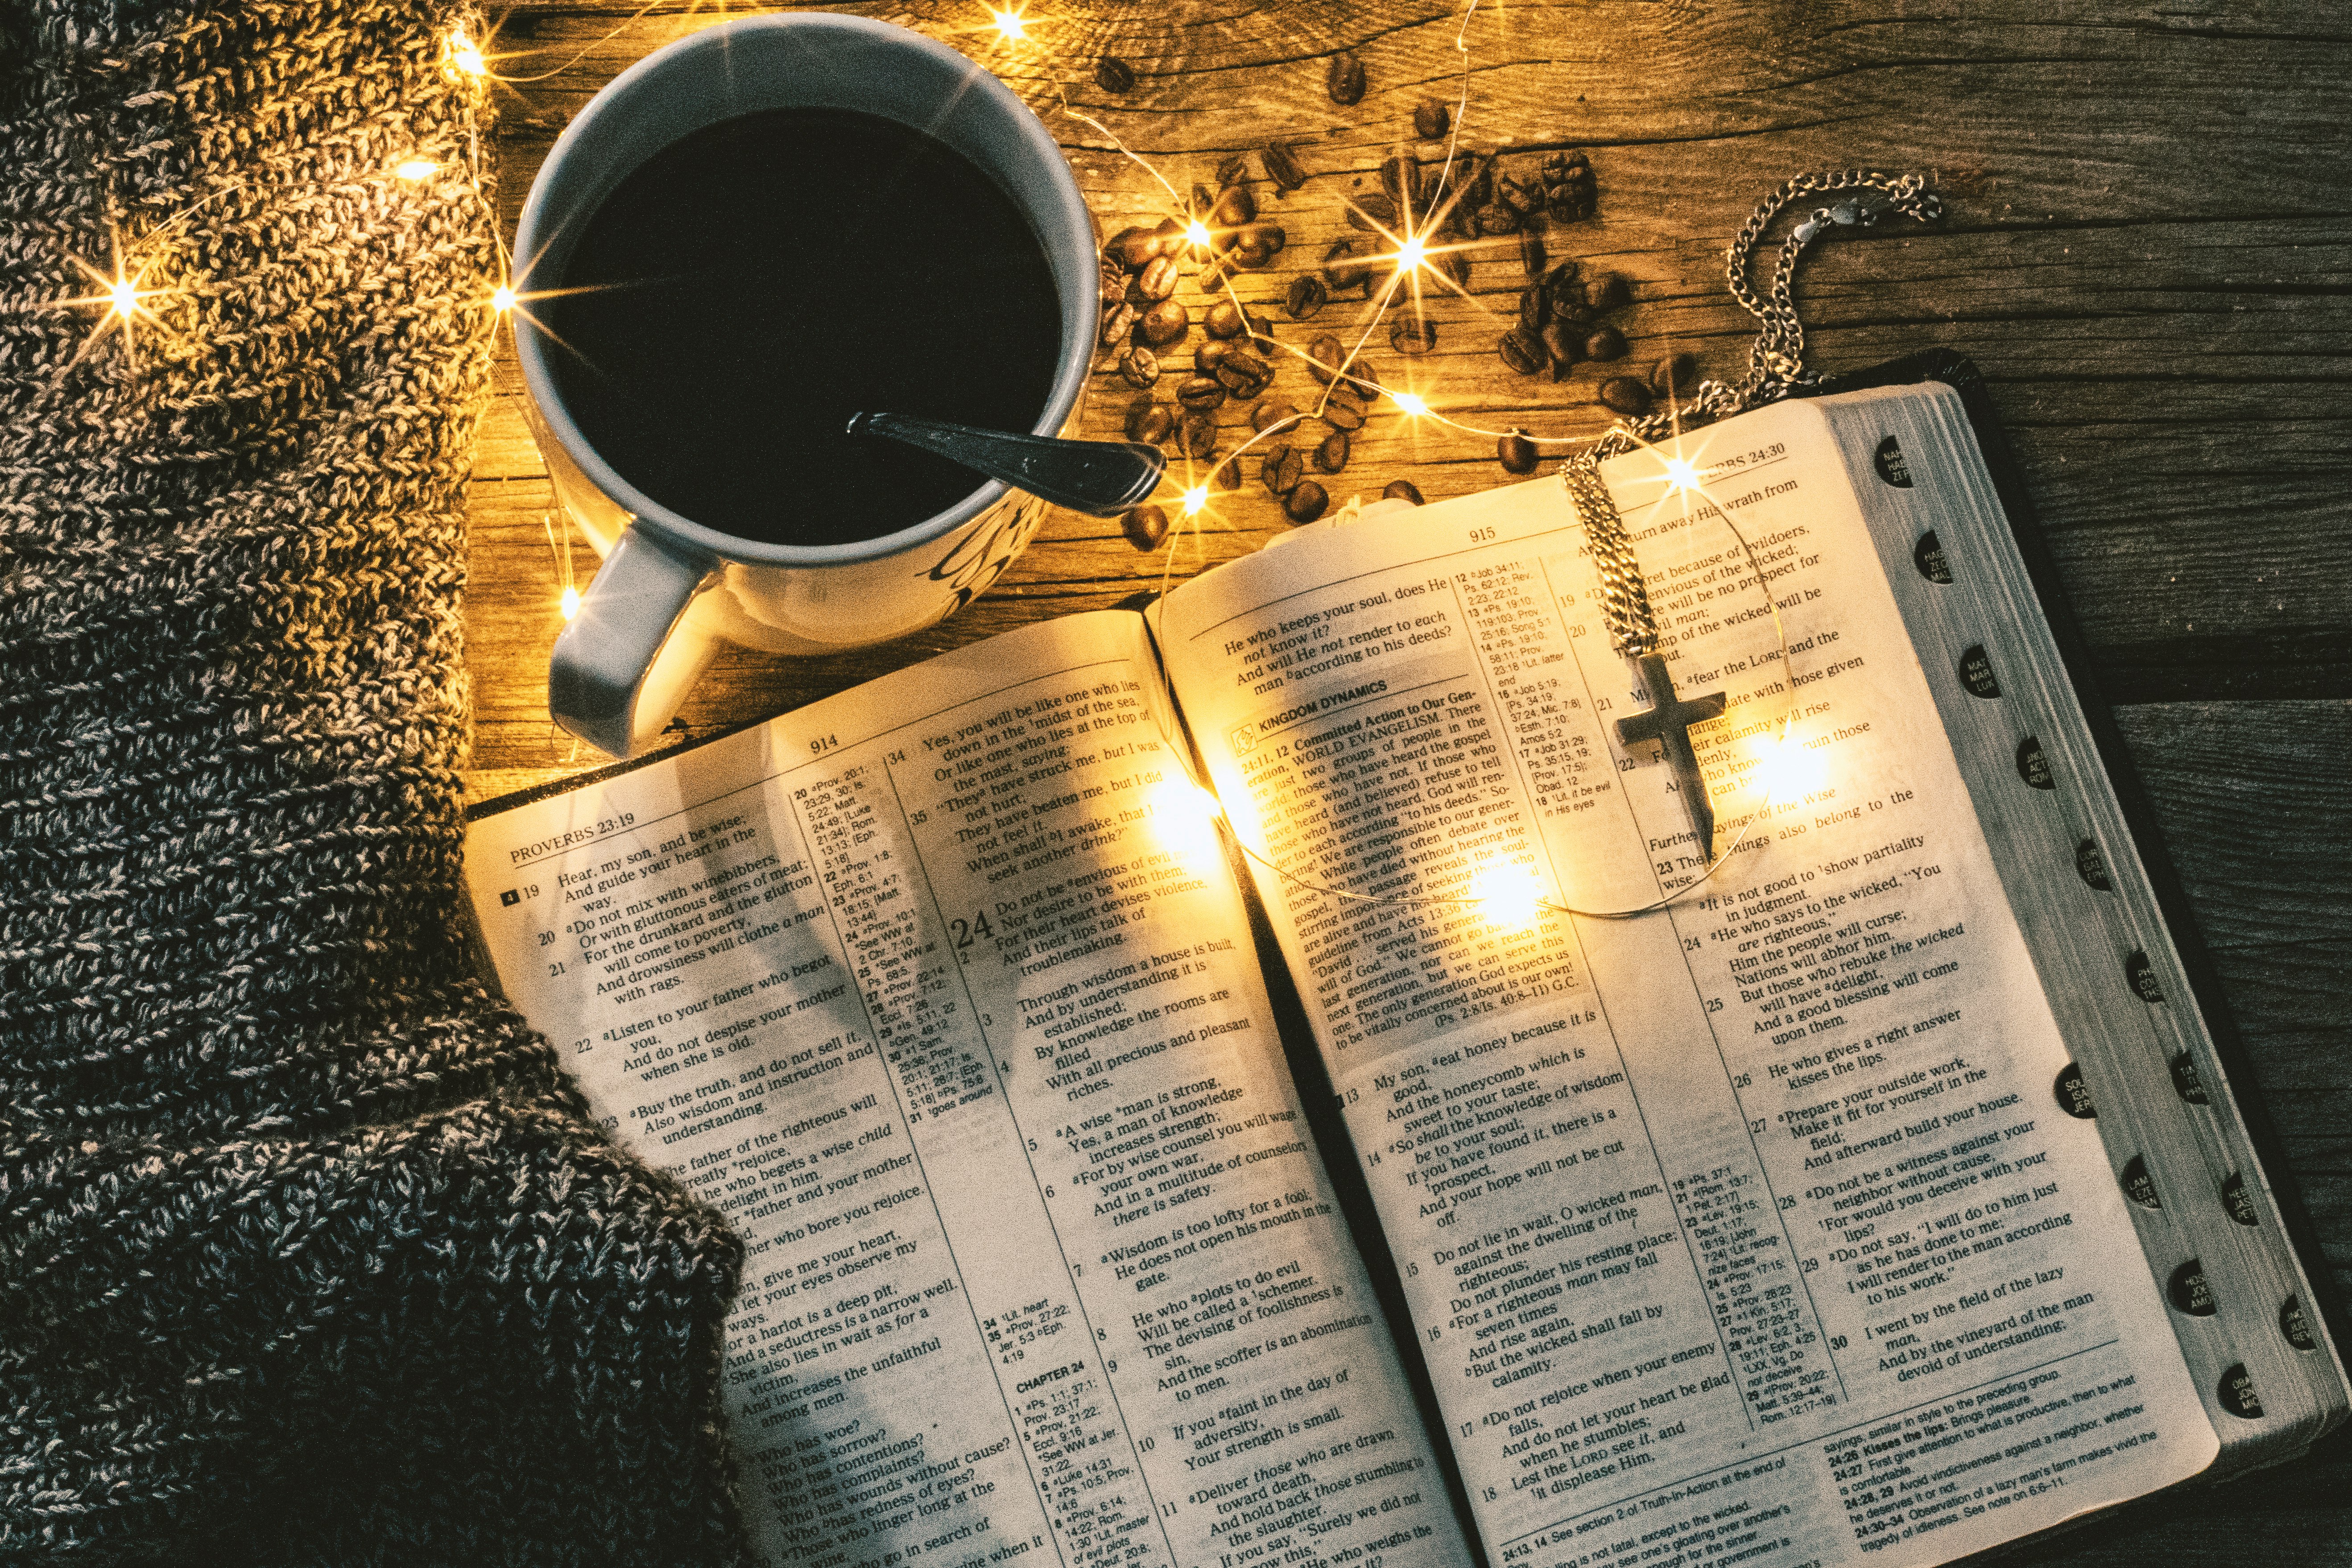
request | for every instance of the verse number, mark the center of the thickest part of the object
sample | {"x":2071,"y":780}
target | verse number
{"x":968,"y":931}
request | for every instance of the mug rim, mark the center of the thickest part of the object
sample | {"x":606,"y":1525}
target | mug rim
{"x":539,"y":384}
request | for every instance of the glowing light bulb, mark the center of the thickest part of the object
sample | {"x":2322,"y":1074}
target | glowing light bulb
{"x":1195,"y":499}
{"x":1410,"y":401}
{"x":1508,"y":895}
{"x":571,"y":602}
{"x":125,"y":296}
{"x":1011,"y":25}
{"x":502,"y":299}
{"x":1410,"y":254}
{"x":1198,"y":232}
{"x":1682,"y":473}
{"x":416,"y":169}
{"x":465,"y":55}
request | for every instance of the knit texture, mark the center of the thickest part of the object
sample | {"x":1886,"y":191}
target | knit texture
{"x":307,"y":1253}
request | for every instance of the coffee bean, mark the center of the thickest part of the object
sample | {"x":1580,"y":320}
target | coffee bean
{"x":1201,"y":204}
{"x":1516,"y":453}
{"x":1282,"y":166}
{"x":1113,"y":282}
{"x":1149,"y":422}
{"x":1674,"y":375}
{"x":1308,"y":295}
{"x":1243,"y":373}
{"x":1371,"y":212}
{"x":1408,"y":336}
{"x":1250,"y":251}
{"x":1362,"y":382}
{"x":1534,"y":311}
{"x":1473,"y":176}
{"x":1217,"y":274}
{"x":1282,"y":470}
{"x":1531,"y":256}
{"x":1117,"y":323}
{"x":1114,"y":75}
{"x":1626,"y":394}
{"x":1342,"y":271}
{"x":1170,"y":231}
{"x":1496,"y":218}
{"x":1525,"y":205}
{"x":1227,"y":475}
{"x":1158,"y":280}
{"x":1165,"y":323}
{"x":1403,"y":489}
{"x":1431,"y":120}
{"x":1233,"y":171}
{"x":1222,"y":319}
{"x":1259,"y":327}
{"x":1196,"y":438}
{"x":1521,"y":352}
{"x":1564,"y":294}
{"x":1563,"y":346}
{"x":1201,"y":393}
{"x":1604,"y":344}
{"x":1324,"y":356}
{"x":1139,"y":368}
{"x":1269,"y":413}
{"x":1133,"y":248}
{"x":1610,"y":291}
{"x":1269,"y":235}
{"x":1455,"y":264}
{"x":1235,"y":207}
{"x":1332,"y":454}
{"x":1304,"y":502}
{"x":1146,"y":527}
{"x":1400,"y":180}
{"x":1210,"y":355}
{"x":1345,"y":80}
{"x":1342,"y":412}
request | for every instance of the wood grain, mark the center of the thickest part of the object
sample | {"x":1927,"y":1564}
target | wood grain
{"x":2149,"y":249}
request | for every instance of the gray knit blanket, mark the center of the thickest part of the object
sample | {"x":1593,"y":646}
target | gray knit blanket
{"x":308,"y":1255}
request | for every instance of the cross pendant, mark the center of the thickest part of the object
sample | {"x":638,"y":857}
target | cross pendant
{"x":1668,"y":723}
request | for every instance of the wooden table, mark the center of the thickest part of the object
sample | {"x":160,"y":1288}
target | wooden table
{"x":2149,"y":252}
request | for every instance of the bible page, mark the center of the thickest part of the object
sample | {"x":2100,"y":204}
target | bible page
{"x":1744,"y":1230}
{"x":944,"y":992}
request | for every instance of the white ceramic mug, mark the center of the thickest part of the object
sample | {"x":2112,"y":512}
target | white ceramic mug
{"x":671,"y":587}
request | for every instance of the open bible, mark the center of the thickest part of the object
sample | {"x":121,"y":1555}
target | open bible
{"x":1883,"y":1199}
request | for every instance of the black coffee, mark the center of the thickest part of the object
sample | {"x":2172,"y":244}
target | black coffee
{"x":756,"y":283}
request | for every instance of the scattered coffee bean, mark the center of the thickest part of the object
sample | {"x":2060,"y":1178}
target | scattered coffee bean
{"x":1408,"y":336}
{"x":1210,"y":355}
{"x":1165,"y":323}
{"x":1308,"y":295}
{"x":1217,"y":274}
{"x":1516,"y":453}
{"x":1114,"y":75}
{"x":1525,"y":205}
{"x":1324,"y":356}
{"x":1609,"y":291}
{"x":1233,"y":171}
{"x":1534,"y":311}
{"x":1146,"y":527}
{"x":1626,"y":394}
{"x":1201,"y":203}
{"x":1370,"y":212}
{"x":1269,"y":235}
{"x":1362,"y":382}
{"x":1114,"y":283}
{"x":1566,"y":180}
{"x":1342,"y":271}
{"x":1282,"y":470}
{"x":1149,"y":422}
{"x":1345,"y":80}
{"x":1117,"y":323}
{"x":1604,"y":344}
{"x":1563,"y":346}
{"x":1139,"y":368}
{"x":1455,"y":264}
{"x":1222,"y":319}
{"x":1243,"y":373}
{"x":1133,"y":248}
{"x":1201,"y":393}
{"x":1259,"y":327}
{"x":1235,"y":207}
{"x":1674,"y":376}
{"x":1304,"y":502}
{"x":1473,"y":176}
{"x":1170,"y":231}
{"x":1196,"y":438}
{"x":1282,"y":166}
{"x":1227,"y":475}
{"x":1401,"y":181}
{"x":1250,"y":252}
{"x":1268,"y":413}
{"x":1496,"y":218}
{"x":1332,"y":454}
{"x":1521,"y":352}
{"x":1403,"y":489}
{"x":1431,"y":120}
{"x":1343,"y":413}
{"x":1158,"y":280}
{"x":1531,"y":256}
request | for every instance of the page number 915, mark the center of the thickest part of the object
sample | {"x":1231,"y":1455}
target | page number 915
{"x":1481,"y":535}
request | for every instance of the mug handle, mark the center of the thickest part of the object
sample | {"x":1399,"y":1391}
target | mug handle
{"x":618,"y":672}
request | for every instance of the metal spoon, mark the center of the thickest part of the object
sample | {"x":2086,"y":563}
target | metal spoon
{"x":1101,"y":478}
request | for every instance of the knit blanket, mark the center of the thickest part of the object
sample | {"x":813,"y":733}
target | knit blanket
{"x":306,"y":1252}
